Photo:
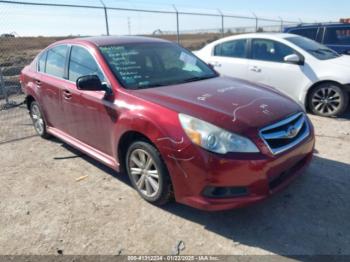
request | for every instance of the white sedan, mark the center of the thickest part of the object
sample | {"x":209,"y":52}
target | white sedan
{"x":303,"y":69}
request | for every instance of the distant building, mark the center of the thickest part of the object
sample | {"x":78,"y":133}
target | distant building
{"x":7,"y":35}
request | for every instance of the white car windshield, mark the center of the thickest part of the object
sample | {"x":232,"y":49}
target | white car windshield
{"x":312,"y":47}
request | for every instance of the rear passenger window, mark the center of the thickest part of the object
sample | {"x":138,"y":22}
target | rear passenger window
{"x":235,"y":49}
{"x":306,"y":32}
{"x":55,"y":61}
{"x":337,"y":35}
{"x":42,"y":62}
{"x":82,"y":63}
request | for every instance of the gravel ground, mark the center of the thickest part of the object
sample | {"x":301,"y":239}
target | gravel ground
{"x":45,"y":210}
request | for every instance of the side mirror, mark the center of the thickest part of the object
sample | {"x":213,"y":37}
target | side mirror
{"x":92,"y":83}
{"x":89,"y":83}
{"x":294,"y":59}
{"x":212,"y":67}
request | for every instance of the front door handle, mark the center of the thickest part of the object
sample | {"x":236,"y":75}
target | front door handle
{"x":67,"y":94}
{"x":255,"y":69}
{"x":38,"y":82}
{"x":215,"y":64}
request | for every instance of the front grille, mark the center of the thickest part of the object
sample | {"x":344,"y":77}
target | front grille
{"x":285,"y":134}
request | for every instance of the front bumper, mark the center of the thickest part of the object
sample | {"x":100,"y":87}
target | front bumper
{"x":262,"y":175}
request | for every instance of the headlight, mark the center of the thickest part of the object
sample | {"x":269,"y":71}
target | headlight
{"x":213,"y":138}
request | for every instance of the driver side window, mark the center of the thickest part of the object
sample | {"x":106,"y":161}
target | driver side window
{"x":269,"y":50}
{"x":82,"y":63}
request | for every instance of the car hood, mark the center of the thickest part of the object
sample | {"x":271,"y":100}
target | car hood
{"x":232,"y":104}
{"x":343,"y":60}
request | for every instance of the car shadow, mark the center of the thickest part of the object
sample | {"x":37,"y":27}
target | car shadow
{"x":346,"y":115}
{"x":311,"y":217}
{"x":75,"y":153}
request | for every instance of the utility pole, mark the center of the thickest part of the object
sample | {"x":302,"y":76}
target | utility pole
{"x":106,"y":16}
{"x":282,"y":23}
{"x":177,"y":24}
{"x":129,"y":26}
{"x":256,"y":22}
{"x":222,"y":23}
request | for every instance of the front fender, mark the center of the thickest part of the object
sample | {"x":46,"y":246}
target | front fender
{"x":168,"y":137}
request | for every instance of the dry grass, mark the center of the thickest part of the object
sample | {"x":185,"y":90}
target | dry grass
{"x":15,"y":53}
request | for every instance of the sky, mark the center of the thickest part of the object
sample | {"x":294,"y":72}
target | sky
{"x":62,"y":21}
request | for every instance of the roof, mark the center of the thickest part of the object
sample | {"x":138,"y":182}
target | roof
{"x":117,"y":40}
{"x":312,"y":25}
{"x":256,"y":35}
{"x":272,"y":36}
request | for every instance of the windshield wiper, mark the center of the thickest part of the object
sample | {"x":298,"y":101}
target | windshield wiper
{"x":317,"y":51}
{"x":327,"y":50}
{"x":330,"y":51}
{"x":192,"y":79}
{"x":197,"y":78}
{"x":150,"y":86}
{"x":324,"y":52}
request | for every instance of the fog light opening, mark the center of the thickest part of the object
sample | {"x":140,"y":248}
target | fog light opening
{"x":224,"y":192}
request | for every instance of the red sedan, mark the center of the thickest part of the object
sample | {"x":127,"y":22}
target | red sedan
{"x":151,"y":109}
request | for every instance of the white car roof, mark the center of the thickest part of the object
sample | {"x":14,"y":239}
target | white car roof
{"x":273,"y":36}
{"x":259,"y":35}
{"x":281,"y":37}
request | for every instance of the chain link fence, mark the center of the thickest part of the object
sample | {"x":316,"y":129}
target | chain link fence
{"x":26,"y":27}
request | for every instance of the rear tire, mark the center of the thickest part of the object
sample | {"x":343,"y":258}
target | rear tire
{"x":148,"y":173}
{"x":328,"y":99}
{"x":38,"y":120}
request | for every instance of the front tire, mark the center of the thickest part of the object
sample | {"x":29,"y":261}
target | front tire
{"x":328,"y":100}
{"x":148,"y":173}
{"x":38,"y":120}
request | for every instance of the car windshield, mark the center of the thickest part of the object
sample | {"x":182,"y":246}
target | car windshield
{"x":147,"y":65}
{"x":312,"y":47}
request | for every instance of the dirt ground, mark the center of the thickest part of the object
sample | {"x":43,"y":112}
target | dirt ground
{"x":44,"y":210}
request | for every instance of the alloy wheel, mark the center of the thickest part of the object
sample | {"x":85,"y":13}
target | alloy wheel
{"x":326,"y":100}
{"x":144,"y":172}
{"x":38,"y":121}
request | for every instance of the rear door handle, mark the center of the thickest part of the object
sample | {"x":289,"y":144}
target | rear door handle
{"x":255,"y":69}
{"x":38,"y":82}
{"x":67,"y":94}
